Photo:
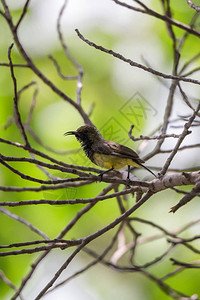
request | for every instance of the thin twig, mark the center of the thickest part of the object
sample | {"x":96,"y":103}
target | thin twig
{"x":69,"y":56}
{"x":25,"y":7}
{"x":18,"y":117}
{"x":135,"y":64}
{"x":23,"y":221}
{"x":192,"y":5}
{"x":90,"y":238}
{"x":9,"y":283}
{"x":180,"y":140}
{"x":155,"y":14}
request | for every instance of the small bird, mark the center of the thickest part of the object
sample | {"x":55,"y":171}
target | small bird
{"x":106,"y":154}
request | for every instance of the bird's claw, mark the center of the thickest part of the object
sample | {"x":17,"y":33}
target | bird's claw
{"x":128,"y":182}
{"x":100,"y":176}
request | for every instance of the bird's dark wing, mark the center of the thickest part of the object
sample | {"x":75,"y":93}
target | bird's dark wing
{"x":112,"y":148}
{"x":102,"y":148}
{"x":123,"y":151}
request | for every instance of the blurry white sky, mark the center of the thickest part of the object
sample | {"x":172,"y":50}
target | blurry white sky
{"x":40,"y":26}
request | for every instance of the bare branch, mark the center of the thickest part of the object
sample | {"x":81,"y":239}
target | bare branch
{"x":161,"y":17}
{"x":65,"y":77}
{"x":23,"y":221}
{"x":92,"y":237}
{"x":188,"y":197}
{"x":18,"y":117}
{"x":22,"y":15}
{"x":134,"y":64}
{"x":180,"y":140}
{"x":97,"y":260}
{"x":148,"y":138}
{"x":33,"y":67}
{"x":67,"y":53}
{"x":8,"y":282}
{"x":191,"y":4}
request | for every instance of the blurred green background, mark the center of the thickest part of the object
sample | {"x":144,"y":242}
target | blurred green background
{"x":119,"y":96}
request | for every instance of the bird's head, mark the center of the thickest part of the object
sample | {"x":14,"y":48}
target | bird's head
{"x":86,"y":134}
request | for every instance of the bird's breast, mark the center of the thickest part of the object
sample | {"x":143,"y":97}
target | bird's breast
{"x":111,"y":161}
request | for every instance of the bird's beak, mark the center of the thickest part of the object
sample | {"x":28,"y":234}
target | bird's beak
{"x":71,"y":133}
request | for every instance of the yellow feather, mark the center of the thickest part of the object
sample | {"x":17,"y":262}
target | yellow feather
{"x":111,"y":161}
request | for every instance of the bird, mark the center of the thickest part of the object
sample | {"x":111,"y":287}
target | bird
{"x":106,"y":154}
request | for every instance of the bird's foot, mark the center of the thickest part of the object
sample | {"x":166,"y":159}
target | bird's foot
{"x":128,"y":183}
{"x":100,"y":177}
{"x":102,"y":173}
{"x":128,"y":178}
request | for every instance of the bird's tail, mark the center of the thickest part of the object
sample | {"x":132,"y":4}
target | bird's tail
{"x":147,"y":169}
